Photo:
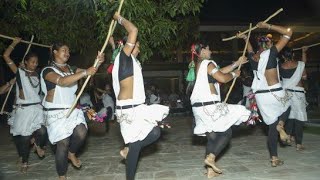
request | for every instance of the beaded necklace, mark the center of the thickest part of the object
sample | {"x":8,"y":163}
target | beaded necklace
{"x":56,"y":65}
{"x":28,"y":73}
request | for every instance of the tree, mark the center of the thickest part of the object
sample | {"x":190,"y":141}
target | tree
{"x":83,"y":24}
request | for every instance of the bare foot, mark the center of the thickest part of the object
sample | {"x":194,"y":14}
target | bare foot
{"x":32,"y":140}
{"x":74,"y":160}
{"x":211,"y":173}
{"x":62,"y":178}
{"x":40,"y":152}
{"x":24,"y":167}
{"x":124,"y":152}
{"x":275,"y":161}
{"x":283,"y":135}
{"x":210,"y":161}
{"x":300,"y":147}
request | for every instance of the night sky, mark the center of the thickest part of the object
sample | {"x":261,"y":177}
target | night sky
{"x":244,"y":11}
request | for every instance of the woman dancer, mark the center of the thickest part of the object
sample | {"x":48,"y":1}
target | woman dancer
{"x":27,"y":118}
{"x":292,"y":73}
{"x":59,"y":84}
{"x":271,"y":99}
{"x":214,"y":119}
{"x":138,"y":122}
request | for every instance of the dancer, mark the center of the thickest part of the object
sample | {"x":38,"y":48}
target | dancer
{"x":27,"y":118}
{"x":59,"y":84}
{"x":292,"y":73}
{"x":5,"y":88}
{"x":271,"y":99}
{"x":213,"y":118}
{"x":138,"y":122}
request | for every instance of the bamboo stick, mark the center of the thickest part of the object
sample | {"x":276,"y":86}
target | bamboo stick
{"x":23,"y":41}
{"x":316,"y":44}
{"x":239,"y":67}
{"x":255,"y":27}
{"x":110,"y":32}
{"x":5,"y":101}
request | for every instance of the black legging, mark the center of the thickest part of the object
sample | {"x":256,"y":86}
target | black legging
{"x":23,"y":143}
{"x":41,"y":137}
{"x":23,"y":147}
{"x":134,"y":151}
{"x":298,"y":129}
{"x":273,"y":133}
{"x":217,"y":141}
{"x":72,"y":144}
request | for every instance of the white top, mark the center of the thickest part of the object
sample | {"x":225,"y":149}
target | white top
{"x":138,"y":86}
{"x":64,"y":96}
{"x":31,"y":94}
{"x":260,"y":81}
{"x":201,"y":91}
{"x":292,"y":82}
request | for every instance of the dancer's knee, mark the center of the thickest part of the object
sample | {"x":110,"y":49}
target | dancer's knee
{"x":156,"y":132}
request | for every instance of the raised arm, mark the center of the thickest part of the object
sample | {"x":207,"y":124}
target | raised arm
{"x":244,"y":37}
{"x":304,"y":54}
{"x":221,"y":77}
{"x":131,"y":29}
{"x":7,"y":52}
{"x":112,"y":44}
{"x":286,"y":34}
{"x":304,"y":59}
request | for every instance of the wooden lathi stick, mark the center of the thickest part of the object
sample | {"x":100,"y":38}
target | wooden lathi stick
{"x":316,"y":44}
{"x":255,"y":27}
{"x":27,"y":42}
{"x":110,"y":32}
{"x":5,"y":101}
{"x":239,"y":67}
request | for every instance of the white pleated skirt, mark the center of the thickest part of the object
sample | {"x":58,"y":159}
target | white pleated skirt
{"x":58,"y":126}
{"x":210,"y":119}
{"x":269,"y":107}
{"x":298,"y":105}
{"x":137,"y":122}
{"x":25,"y":120}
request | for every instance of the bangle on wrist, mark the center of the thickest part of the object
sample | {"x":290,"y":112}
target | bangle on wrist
{"x":84,"y":73}
{"x":233,"y":74}
{"x":270,"y":25}
{"x":120,"y":20}
{"x":12,"y":47}
{"x":286,"y":36}
{"x":234,"y":65}
{"x":9,"y":63}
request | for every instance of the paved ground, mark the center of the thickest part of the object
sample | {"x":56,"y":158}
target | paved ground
{"x":177,"y":155}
